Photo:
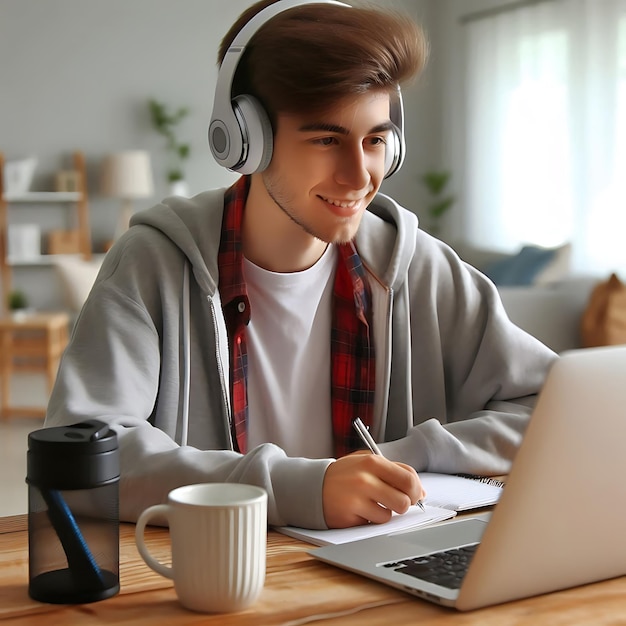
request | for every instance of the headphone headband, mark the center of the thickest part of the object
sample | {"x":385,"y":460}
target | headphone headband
{"x":240,"y":133}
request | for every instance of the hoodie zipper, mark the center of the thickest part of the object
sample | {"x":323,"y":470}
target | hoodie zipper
{"x":225,"y":403}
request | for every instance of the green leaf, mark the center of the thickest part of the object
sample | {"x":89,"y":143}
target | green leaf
{"x":165,"y":122}
{"x":174,"y":175}
{"x":435,"y":182}
{"x":439,"y":208}
{"x":17,"y":300}
{"x":180,"y":114}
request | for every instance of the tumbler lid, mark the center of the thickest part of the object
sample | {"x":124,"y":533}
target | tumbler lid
{"x":73,"y":457}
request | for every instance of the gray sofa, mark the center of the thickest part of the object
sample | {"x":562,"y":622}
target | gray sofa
{"x":551,"y":306}
{"x":552,"y":312}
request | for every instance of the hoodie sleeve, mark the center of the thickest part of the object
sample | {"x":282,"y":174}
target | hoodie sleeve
{"x":112,"y":370}
{"x":474,"y":375}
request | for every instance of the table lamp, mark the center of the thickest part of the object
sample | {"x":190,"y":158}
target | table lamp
{"x":127,"y":175}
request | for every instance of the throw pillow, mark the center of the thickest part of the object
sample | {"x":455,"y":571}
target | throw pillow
{"x":558,"y":268}
{"x":78,"y":277}
{"x":603,"y":322}
{"x":520,"y":269}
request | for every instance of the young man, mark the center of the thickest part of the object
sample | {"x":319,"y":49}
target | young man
{"x":235,"y":335}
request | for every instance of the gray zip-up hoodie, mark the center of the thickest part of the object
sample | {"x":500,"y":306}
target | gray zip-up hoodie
{"x":455,"y":379}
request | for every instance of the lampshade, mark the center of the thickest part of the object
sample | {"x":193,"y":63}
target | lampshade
{"x":127,"y":175}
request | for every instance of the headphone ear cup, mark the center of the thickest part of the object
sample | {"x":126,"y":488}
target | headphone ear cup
{"x":393,"y":153}
{"x":256,"y":133}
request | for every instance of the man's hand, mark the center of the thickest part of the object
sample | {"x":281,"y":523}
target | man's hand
{"x":362,"y":487}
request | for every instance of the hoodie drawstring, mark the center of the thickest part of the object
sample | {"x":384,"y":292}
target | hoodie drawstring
{"x":186,"y":357}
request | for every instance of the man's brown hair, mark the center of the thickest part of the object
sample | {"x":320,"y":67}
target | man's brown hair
{"x":309,"y":57}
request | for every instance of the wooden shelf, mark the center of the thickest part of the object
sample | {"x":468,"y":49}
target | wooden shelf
{"x":41,"y":260}
{"x":81,"y":208}
{"x":33,"y":343}
{"x":44,"y":196}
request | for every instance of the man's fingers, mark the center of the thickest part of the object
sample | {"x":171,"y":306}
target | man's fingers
{"x":366,"y":488}
{"x":406,"y":487}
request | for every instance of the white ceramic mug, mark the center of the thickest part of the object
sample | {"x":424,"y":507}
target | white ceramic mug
{"x":218,"y":533}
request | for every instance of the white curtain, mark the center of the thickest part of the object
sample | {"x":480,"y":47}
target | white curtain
{"x":546,"y":130}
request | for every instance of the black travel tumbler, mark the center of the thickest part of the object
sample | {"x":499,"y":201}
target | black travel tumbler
{"x":73,"y":477}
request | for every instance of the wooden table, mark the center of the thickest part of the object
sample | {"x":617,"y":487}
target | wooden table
{"x":298,"y":588}
{"x":33,"y":343}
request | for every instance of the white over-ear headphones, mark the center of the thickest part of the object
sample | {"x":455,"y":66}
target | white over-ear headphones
{"x":240,"y":132}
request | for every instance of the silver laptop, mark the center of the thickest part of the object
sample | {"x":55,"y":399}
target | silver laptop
{"x":561,"y":518}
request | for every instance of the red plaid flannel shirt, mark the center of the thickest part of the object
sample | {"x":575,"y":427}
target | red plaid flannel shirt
{"x":352,"y":349}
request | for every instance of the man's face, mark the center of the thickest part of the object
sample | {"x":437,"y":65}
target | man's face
{"x":326,"y":168}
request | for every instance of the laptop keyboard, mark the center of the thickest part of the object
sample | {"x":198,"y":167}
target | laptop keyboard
{"x":445,"y":568}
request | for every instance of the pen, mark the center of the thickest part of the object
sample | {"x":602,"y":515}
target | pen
{"x":82,"y":565}
{"x":368,"y":440}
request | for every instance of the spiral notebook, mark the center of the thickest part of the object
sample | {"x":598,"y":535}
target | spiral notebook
{"x":461,"y":492}
{"x":445,"y":495}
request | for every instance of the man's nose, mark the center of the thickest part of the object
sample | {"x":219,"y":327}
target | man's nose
{"x":352,"y":168}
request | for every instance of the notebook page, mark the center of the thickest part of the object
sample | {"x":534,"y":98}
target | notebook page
{"x":458,"y":493}
{"x":413,"y":518}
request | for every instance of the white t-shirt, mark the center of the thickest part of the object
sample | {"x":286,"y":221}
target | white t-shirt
{"x":289,"y":372}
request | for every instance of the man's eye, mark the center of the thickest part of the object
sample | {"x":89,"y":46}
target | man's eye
{"x":378,"y":141}
{"x":324,"y":141}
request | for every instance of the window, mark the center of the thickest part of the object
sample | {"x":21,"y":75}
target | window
{"x":546,"y":138}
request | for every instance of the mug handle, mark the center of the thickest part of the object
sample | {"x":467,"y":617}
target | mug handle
{"x":144,"y":518}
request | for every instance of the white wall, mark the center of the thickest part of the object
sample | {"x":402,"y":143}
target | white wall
{"x":77,"y":74}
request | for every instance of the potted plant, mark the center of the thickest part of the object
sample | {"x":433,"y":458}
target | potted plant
{"x":436,"y":183}
{"x":165,"y":122}
{"x":17,"y":303}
